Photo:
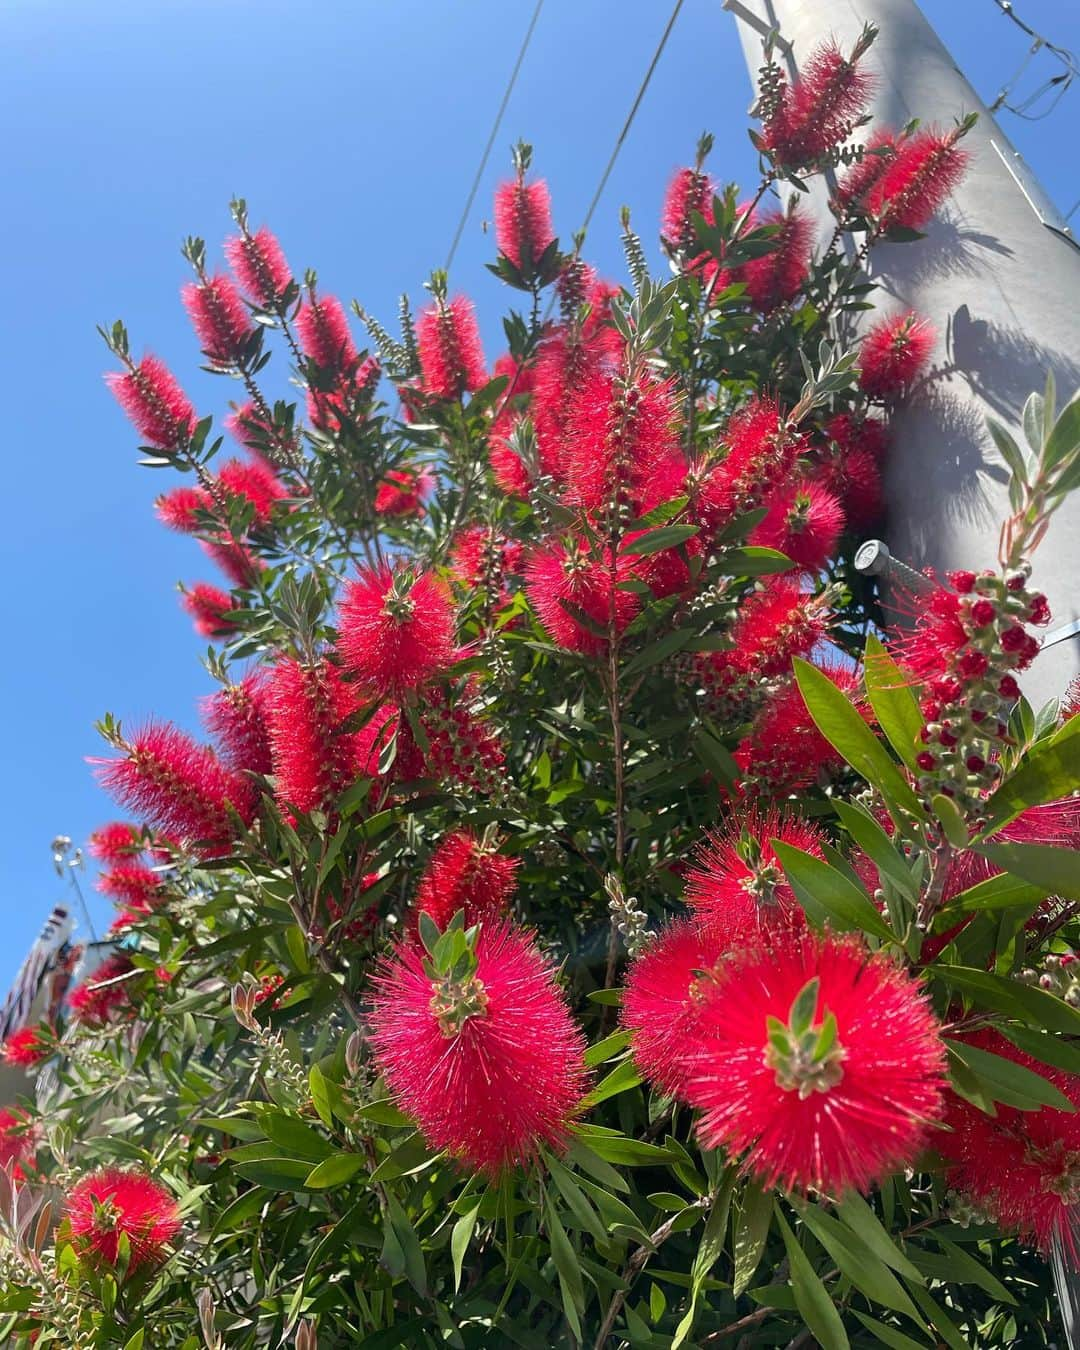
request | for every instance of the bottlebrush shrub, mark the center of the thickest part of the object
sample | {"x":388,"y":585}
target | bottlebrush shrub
{"x":583,"y":921}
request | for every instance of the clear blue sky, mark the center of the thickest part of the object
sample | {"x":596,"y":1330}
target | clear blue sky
{"x":353,"y":127}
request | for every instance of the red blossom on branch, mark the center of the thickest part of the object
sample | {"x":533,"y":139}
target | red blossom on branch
{"x":313,"y":758}
{"x":260,"y":267}
{"x":451,"y":355}
{"x":523,"y":221}
{"x":469,"y":874}
{"x":564,"y":581}
{"x":396,"y":629}
{"x":161,"y":412}
{"x":209,"y":607}
{"x":237,"y":718}
{"x":220,"y":319}
{"x":112,"y":1203}
{"x":820,"y":109}
{"x":894,"y":353}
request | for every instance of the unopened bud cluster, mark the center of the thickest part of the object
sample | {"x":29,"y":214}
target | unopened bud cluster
{"x":967,"y":706}
{"x":1060,"y":975}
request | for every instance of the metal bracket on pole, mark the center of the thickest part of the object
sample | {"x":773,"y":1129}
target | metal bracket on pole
{"x":757,"y":23}
{"x":873,"y":559}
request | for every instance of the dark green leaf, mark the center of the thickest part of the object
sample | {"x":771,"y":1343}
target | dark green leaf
{"x":811,"y":1297}
{"x":827,"y":895}
{"x":893,"y":701}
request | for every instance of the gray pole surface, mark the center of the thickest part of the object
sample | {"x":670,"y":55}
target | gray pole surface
{"x":1000,"y":281}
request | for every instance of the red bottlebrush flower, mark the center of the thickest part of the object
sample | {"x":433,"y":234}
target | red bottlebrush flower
{"x":112,"y":1202}
{"x":523,"y":222}
{"x":27,"y":1047}
{"x":324,"y":334}
{"x":462,"y":748}
{"x":762,"y":452}
{"x":617,"y":434}
{"x":785,"y":751}
{"x":776,"y":624}
{"x":660,"y":1001}
{"x":879,"y":152}
{"x":855,"y":478}
{"x":819,"y":1061}
{"x":566,"y":363}
{"x":520,"y":375}
{"x":236,"y":560}
{"x":132,"y":884}
{"x":689,"y":191}
{"x":246,"y":425}
{"x":556,"y":573}
{"x":403,"y":492}
{"x":849,"y":433}
{"x":267,"y":991}
{"x":777,"y":276}
{"x":448,"y":342}
{"x":18,"y":1142}
{"x":115,"y":842}
{"x":208,"y":607}
{"x":260,"y":266}
{"x":103,"y":993}
{"x":159,"y":409}
{"x":255,"y":482}
{"x":179,"y":508}
{"x":466,"y":873}
{"x":348,"y":401}
{"x":490,"y":1067}
{"x":737,"y":890}
{"x":1070,"y":704}
{"x":507,"y":467}
{"x":396,"y":630}
{"x":220,"y":319}
{"x":236,"y":717}
{"x":804,"y":522}
{"x":894,"y":353}
{"x":925,"y":169}
{"x":482,"y":557}
{"x":313,"y":759}
{"x":819,"y":111}
{"x":180,"y":787}
{"x":938,"y":636}
{"x":1021,"y":1166}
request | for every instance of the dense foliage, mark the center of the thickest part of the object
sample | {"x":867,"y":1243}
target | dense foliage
{"x":594,"y":923}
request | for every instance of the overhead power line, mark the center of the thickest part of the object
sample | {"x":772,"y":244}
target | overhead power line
{"x":494,"y":132}
{"x":1055,"y":87}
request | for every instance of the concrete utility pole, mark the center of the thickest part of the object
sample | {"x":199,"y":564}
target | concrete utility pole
{"x":998,"y":275}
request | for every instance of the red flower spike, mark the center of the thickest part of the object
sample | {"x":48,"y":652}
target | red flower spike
{"x":894,"y":353}
{"x":777,"y":276}
{"x":482,"y":556}
{"x":260,"y":267}
{"x":818,"y":1061}
{"x":448,"y":342}
{"x":112,"y":1202}
{"x":804,"y":522}
{"x":131,"y":884}
{"x":926,"y":168}
{"x":27,"y":1048}
{"x":785,"y":751}
{"x":179,"y":508}
{"x":159,"y":409}
{"x":403,"y":492}
{"x":465,"y":873}
{"x":661,"y":995}
{"x":523,"y":221}
{"x":556,"y":573}
{"x":1023,"y":1167}
{"x":255,"y":482}
{"x":396,"y":630}
{"x":855,"y":478}
{"x":179,"y":787}
{"x":208,"y":607}
{"x":313,"y":759}
{"x":18,"y":1142}
{"x":617,"y":434}
{"x":761,"y":453}
{"x":236,"y":560}
{"x":776,"y":624}
{"x":220,"y":319}
{"x":566,"y":363}
{"x":324,"y":334}
{"x":737,"y":889}
{"x":237,"y":718}
{"x":104,"y":993}
{"x":819,"y":111}
{"x":689,"y":191}
{"x":116,"y":842}
{"x":849,"y":433}
{"x":491,"y":1072}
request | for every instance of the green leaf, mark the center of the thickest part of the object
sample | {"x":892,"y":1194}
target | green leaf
{"x":320,"y":1096}
{"x":658,"y":651}
{"x":828,"y":895}
{"x":608,"y":1048}
{"x":811,"y":1297}
{"x":866,"y":1271}
{"x":460,"y":1239}
{"x":1061,"y":1054}
{"x":998,"y":892}
{"x":889,"y":1335}
{"x":384,"y":1112}
{"x":621,"y":1079}
{"x":1056,"y":871}
{"x":135,"y":1342}
{"x":335,"y":1171}
{"x":576,"y":1201}
{"x":878,"y":847}
{"x":870,"y":1231}
{"x":893,"y":701}
{"x":653,"y":541}
{"x":1008,"y":449}
{"x":846,"y":731}
{"x":294,"y":1136}
{"x":950,"y":819}
{"x":1065,"y":435}
{"x":568,"y":1268}
{"x":751,"y":1234}
{"x":1026,"y":1003}
{"x":1050,"y":771}
{"x":275,"y":1174}
{"x":413,"y":1266}
{"x":1009,"y":1082}
{"x":617,"y":1148}
{"x":963,"y":1267}
{"x":752,"y":562}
